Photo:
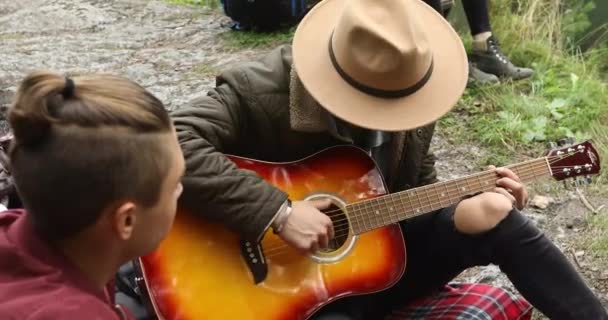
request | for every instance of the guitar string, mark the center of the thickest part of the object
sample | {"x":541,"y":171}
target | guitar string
{"x":408,"y":215}
{"x":485,"y":174}
{"x":525,"y":171}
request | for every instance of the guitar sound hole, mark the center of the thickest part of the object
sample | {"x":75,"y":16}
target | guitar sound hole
{"x":341,"y":227}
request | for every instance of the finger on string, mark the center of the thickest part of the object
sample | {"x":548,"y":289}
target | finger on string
{"x":506,"y":194}
{"x":331,"y":230}
{"x":338,"y":223}
{"x":314,"y":247}
{"x":510,"y":184}
{"x":321,"y":204}
{"x":507,"y":173}
{"x":323,"y":240}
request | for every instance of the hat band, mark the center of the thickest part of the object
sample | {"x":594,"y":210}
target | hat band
{"x":381,"y":93}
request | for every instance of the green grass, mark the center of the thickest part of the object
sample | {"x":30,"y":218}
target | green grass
{"x":597,"y":241}
{"x":565,"y":98}
{"x":250,"y":39}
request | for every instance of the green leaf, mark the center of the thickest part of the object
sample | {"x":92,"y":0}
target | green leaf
{"x":556,"y":115}
{"x":558,"y":104}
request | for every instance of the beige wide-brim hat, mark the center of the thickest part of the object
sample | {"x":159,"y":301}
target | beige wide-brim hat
{"x":380,"y":64}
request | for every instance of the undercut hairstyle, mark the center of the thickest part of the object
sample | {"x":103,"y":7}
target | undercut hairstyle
{"x":84,"y":144}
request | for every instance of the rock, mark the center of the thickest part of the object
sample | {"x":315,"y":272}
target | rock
{"x":541,"y":202}
{"x":580,"y":253}
{"x":539,"y":219}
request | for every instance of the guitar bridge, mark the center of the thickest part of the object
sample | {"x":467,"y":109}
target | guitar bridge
{"x":254,"y":256}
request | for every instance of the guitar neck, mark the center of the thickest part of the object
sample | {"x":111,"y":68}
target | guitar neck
{"x":381,"y":211}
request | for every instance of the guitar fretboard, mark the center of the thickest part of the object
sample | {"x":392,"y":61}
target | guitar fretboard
{"x":384,"y":210}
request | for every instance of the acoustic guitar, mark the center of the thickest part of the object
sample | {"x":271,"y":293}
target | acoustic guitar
{"x":202,"y":271}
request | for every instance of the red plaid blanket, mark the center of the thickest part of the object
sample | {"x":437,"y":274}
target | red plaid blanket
{"x":469,"y":301}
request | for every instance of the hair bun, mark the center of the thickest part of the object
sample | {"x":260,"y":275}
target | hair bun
{"x":29,"y":116}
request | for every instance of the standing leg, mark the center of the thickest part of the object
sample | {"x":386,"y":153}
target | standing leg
{"x":487,"y":55}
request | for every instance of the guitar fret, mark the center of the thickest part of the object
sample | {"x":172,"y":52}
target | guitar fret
{"x":439,"y":203}
{"x":354,"y":218}
{"x":516,"y":171}
{"x":363,"y":216}
{"x":419,"y":209}
{"x":446,"y":195}
{"x":377,"y":212}
{"x":457,"y":188}
{"x":389,"y":211}
{"x":407,"y":210}
{"x":447,"y":192}
{"x":413,"y":207}
{"x":429,"y":199}
{"x":471,"y":190}
{"x":481,"y":184}
{"x":381,"y":212}
{"x":534,"y":174}
{"x":398,"y":209}
{"x":369,"y":216}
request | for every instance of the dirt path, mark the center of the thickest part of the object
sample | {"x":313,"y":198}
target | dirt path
{"x":174,"y":51}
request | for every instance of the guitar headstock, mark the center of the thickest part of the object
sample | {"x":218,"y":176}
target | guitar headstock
{"x":570,"y":161}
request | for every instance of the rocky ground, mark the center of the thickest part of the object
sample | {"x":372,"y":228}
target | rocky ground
{"x":174,"y":51}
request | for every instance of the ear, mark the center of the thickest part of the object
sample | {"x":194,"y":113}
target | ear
{"x":124,"y":220}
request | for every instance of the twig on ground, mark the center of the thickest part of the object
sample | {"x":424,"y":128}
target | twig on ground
{"x":508,"y":146}
{"x":587,"y":203}
{"x":578,"y":265}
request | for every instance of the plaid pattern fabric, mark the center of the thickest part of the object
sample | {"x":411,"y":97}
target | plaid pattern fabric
{"x":471,"y":301}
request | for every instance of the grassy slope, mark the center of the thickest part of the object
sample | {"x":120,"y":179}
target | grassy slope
{"x":565,"y":97}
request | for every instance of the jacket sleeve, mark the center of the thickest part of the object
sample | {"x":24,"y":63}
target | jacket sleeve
{"x":428,"y":173}
{"x":214,"y":187}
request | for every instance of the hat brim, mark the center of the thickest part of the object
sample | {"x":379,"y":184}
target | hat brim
{"x":440,"y":93}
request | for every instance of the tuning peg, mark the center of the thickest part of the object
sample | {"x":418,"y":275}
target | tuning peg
{"x":589,"y":179}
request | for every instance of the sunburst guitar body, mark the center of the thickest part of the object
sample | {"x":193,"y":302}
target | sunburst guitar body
{"x":200,"y":271}
{"x":203,"y":271}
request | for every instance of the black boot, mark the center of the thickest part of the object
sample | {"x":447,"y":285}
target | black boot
{"x":492,"y":60}
{"x":478,"y":77}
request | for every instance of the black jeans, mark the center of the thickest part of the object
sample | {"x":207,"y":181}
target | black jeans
{"x":477,"y":12}
{"x":437,"y":252}
{"x":478,"y":15}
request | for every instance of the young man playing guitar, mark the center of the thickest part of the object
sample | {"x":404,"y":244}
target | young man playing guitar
{"x":375,"y":74}
{"x":98,"y":168}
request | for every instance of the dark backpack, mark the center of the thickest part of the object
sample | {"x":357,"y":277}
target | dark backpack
{"x":264,"y":15}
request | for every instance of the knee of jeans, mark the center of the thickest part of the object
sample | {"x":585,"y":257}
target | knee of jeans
{"x":481,"y":213}
{"x":495,"y":207}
